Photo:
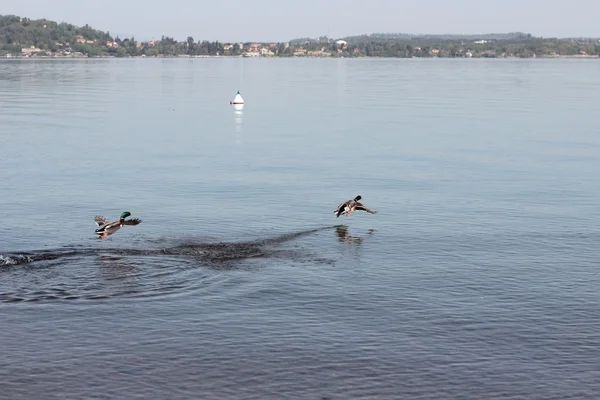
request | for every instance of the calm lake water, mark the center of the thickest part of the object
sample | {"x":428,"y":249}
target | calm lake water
{"x":477,"y":278}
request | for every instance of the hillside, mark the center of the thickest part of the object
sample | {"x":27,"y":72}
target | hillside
{"x":408,"y":37}
{"x":444,"y":37}
{"x":17,"y":32}
{"x":23,"y":37}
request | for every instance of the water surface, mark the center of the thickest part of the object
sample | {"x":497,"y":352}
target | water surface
{"x":477,"y":278}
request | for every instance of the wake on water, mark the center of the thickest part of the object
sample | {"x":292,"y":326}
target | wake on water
{"x":219,"y":252}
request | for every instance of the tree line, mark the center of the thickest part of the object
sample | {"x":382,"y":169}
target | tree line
{"x":17,"y":33}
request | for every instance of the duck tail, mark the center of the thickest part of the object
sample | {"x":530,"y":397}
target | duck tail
{"x":357,"y":198}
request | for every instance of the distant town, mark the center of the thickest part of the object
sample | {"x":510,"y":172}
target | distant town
{"x":22,"y":37}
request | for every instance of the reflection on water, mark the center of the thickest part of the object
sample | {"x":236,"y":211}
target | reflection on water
{"x":344,"y":235}
{"x":238,"y":111}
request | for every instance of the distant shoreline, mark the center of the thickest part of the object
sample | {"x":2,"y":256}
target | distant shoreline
{"x":23,"y":37}
{"x":544,"y":57}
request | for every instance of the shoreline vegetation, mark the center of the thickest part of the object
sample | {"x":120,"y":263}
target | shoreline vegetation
{"x":25,"y":38}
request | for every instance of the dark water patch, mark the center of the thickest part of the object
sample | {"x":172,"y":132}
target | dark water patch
{"x":223,"y":252}
{"x":88,"y":273}
{"x":214,"y":252}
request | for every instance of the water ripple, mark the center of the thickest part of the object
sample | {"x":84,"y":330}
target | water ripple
{"x":135,"y":273}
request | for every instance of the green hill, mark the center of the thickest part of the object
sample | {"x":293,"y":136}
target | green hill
{"x":17,"y":33}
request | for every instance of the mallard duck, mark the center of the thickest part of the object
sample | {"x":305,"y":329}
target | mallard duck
{"x":352,"y":205}
{"x":108,"y":228}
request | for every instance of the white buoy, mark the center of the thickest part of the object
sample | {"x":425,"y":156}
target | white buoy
{"x":238,"y":99}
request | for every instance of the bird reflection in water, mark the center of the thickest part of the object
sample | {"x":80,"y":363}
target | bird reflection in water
{"x":345,"y":237}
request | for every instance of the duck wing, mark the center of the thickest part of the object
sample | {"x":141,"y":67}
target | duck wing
{"x":361,"y":207}
{"x":133,"y":221}
{"x":100,"y":220}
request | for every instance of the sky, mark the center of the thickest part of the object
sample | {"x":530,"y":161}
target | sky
{"x":270,"y":20}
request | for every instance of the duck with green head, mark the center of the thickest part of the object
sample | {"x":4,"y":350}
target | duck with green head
{"x":106,"y":228}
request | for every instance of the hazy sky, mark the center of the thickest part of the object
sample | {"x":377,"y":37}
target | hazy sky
{"x":269,"y":20}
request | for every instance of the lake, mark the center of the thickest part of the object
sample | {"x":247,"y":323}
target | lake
{"x":477,"y":277}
